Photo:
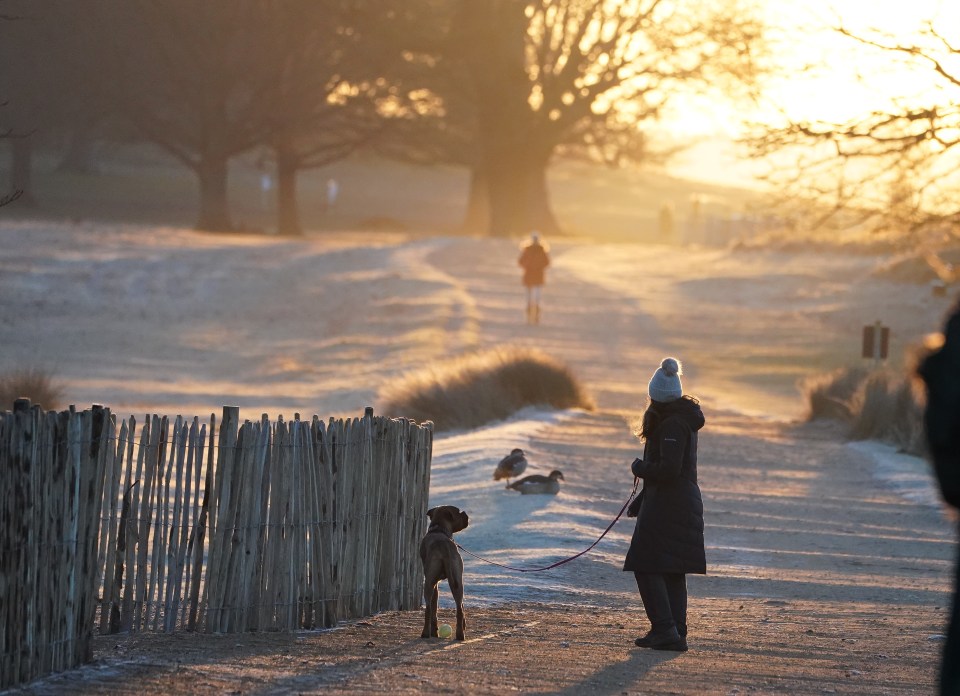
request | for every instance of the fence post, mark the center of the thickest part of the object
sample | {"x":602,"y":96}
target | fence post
{"x":219,"y":517}
{"x":200,"y":529}
{"x":92,"y":476}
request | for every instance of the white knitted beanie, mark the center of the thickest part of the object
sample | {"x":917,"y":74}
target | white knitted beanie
{"x":665,"y":384}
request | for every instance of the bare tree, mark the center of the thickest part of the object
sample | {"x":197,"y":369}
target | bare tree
{"x":48,"y":77}
{"x":15,"y":193}
{"x":433,"y":110}
{"x":551,"y":76}
{"x":893,"y":169}
{"x":23,"y":109}
{"x":333,"y":94}
{"x":208,"y":81}
{"x":193,"y":79}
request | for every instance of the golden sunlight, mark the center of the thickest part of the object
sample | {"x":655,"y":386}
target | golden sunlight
{"x":822,"y":76}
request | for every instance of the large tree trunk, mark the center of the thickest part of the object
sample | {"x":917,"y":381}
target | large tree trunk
{"x":214,"y":208}
{"x":541,"y":212}
{"x":519,"y":201}
{"x":21,"y":170}
{"x":509,"y":213}
{"x":490,"y":34}
{"x":78,"y":156}
{"x":288,"y":214}
{"x":477,"y":219}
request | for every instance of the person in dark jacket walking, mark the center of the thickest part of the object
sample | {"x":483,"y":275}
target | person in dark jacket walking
{"x":534,"y":260}
{"x":941,"y":418}
{"x":668,"y":538}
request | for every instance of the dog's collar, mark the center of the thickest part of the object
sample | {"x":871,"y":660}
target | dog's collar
{"x":437,"y":528}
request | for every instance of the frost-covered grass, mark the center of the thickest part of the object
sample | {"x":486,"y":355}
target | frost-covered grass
{"x":878,"y":404}
{"x":478,"y":388}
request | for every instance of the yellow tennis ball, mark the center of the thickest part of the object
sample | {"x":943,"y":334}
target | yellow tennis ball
{"x":444,"y":630}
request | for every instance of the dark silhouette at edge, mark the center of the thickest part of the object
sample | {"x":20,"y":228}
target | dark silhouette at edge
{"x":940,"y":371}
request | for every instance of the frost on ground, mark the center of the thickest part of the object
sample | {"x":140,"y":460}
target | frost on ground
{"x":829,"y":564}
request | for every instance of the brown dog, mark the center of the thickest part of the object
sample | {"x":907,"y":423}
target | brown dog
{"x":441,"y":561}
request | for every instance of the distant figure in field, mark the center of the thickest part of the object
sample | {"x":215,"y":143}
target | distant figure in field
{"x":534,"y":260}
{"x":266,"y":183}
{"x":667,"y":224}
{"x":941,"y":374}
{"x":333,"y":190}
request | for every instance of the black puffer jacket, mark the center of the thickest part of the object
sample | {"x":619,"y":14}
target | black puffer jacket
{"x":668,"y":537}
{"x":941,"y":373}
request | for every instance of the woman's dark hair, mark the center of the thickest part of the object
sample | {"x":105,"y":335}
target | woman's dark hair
{"x":650,"y":420}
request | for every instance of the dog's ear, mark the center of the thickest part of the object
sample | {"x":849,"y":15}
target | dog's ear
{"x":460,"y":521}
{"x":431,"y":512}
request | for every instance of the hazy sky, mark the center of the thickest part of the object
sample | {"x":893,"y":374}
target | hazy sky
{"x":846,"y":79}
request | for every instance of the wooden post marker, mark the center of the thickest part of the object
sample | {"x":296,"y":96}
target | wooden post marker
{"x":876,"y":342}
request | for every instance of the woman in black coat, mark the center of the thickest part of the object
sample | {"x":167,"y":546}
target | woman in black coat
{"x":668,"y":539}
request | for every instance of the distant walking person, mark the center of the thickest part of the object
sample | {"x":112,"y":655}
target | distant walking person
{"x":941,"y":374}
{"x":668,"y":538}
{"x":266,"y":184}
{"x":333,"y":191}
{"x":534,"y":260}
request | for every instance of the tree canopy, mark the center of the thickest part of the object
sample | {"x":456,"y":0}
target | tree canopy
{"x":499,"y":86}
{"x":584,"y":76}
{"x":893,"y":168}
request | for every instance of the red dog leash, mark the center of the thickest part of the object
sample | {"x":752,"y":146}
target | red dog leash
{"x":636,"y":483}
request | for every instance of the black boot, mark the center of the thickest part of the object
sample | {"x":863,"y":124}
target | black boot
{"x":662,"y":640}
{"x":644,"y":641}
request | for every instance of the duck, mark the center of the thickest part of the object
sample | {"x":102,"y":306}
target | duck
{"x":510,"y":466}
{"x":537,"y":483}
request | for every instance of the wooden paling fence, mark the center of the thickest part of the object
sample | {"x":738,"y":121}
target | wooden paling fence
{"x":264,"y":525}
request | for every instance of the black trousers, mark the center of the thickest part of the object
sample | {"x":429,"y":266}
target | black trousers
{"x":664,"y":598}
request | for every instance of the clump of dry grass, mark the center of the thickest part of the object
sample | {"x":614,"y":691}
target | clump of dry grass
{"x":478,"y":388}
{"x":788,"y":242}
{"x":40,"y":386}
{"x":872,"y":409}
{"x":913,"y":266}
{"x":877,"y":404}
{"x":829,"y":395}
